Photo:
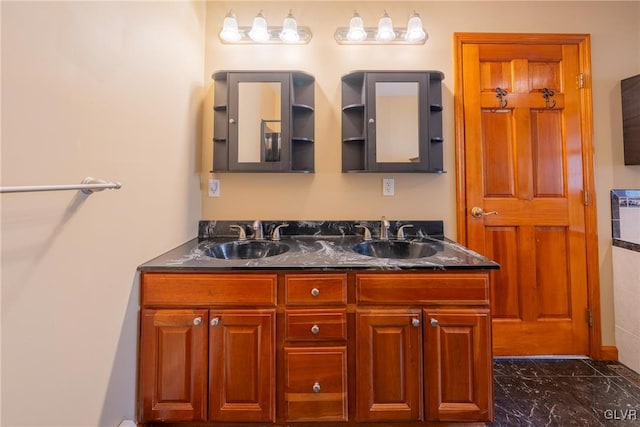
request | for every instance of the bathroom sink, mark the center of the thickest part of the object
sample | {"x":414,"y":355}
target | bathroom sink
{"x":398,"y":249}
{"x":247,"y":249}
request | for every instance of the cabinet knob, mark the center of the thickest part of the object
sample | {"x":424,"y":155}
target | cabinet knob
{"x":232,"y":121}
{"x":371,"y":121}
{"x":315,"y":329}
{"x":316,"y":388}
{"x":415,"y":323}
{"x":434,"y":322}
{"x":215,"y":321}
{"x":315,"y":292}
{"x":197,"y":320}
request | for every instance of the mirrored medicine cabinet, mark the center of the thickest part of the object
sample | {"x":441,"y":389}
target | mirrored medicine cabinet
{"x":392,"y":121}
{"x":263,"y":121}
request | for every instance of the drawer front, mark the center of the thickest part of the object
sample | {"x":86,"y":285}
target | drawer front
{"x":314,"y":289}
{"x":315,"y":384}
{"x":418,"y":289}
{"x":182,"y":290}
{"x":316,"y":325}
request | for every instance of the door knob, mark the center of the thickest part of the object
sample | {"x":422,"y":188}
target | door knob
{"x":477,"y":212}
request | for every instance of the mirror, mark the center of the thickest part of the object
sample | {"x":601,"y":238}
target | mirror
{"x":397,"y":122}
{"x":259,"y":122}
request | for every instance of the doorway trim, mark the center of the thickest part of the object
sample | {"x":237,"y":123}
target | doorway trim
{"x":583,"y":42}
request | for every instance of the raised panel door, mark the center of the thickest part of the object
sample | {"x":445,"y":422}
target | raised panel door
{"x":173,"y":365}
{"x":458,"y":365}
{"x":388,"y":365}
{"x":242,"y":365}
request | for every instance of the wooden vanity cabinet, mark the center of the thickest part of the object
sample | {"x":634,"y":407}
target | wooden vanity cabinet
{"x":325,"y":348}
{"x":448,"y":332}
{"x":207,"y":348}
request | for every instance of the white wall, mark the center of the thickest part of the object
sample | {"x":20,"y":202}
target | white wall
{"x":112,"y":90}
{"x":614,"y":28}
{"x":626,"y":272}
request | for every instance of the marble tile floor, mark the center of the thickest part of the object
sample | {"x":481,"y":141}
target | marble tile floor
{"x":535,"y":392}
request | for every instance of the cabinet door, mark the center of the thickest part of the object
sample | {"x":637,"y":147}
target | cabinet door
{"x":242,"y":365}
{"x":388,"y":365}
{"x":173,"y":363}
{"x":458,"y":365}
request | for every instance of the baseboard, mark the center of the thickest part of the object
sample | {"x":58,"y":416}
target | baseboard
{"x":609,"y":352}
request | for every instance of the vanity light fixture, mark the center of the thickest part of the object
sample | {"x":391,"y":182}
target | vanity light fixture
{"x":261,"y":33}
{"x":385,"y":33}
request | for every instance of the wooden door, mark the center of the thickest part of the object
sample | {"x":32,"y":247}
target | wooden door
{"x":388,"y":365}
{"x":242,"y":365}
{"x":458,"y":365}
{"x":173,"y":365}
{"x":524,"y":195}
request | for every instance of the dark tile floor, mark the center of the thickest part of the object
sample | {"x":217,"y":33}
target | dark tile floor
{"x":565,"y":392}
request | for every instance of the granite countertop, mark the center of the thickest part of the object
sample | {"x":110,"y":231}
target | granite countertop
{"x":318,"y":245}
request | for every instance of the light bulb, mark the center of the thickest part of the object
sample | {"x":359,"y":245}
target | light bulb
{"x":259,"y":31}
{"x":230,"y":32}
{"x":356,"y":31}
{"x":415,"y":32}
{"x":289,"y":33}
{"x":385,"y":29}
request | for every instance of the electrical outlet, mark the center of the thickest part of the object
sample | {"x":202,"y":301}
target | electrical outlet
{"x":214,"y":187}
{"x":388,"y":186}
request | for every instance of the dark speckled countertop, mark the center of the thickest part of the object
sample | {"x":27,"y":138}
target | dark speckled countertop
{"x":318,"y":245}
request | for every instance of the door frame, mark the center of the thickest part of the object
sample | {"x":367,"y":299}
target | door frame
{"x":583,"y":42}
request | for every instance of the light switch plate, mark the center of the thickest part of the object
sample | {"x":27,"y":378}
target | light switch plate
{"x":214,"y":187}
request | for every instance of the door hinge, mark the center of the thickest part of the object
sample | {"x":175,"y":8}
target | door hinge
{"x":581,"y":81}
{"x":589,"y":317}
{"x":585,"y":197}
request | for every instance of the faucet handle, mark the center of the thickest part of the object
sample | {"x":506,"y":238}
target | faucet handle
{"x":400,"y":235}
{"x":276,"y":231}
{"x":242,"y":234}
{"x":367,"y":232}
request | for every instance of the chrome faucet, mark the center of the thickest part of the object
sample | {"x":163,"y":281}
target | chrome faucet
{"x":400,"y":235}
{"x":384,"y":229}
{"x":257,"y":230}
{"x":276,"y":231}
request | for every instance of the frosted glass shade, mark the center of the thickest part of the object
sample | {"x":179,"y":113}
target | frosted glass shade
{"x":289,"y":33}
{"x":356,"y":29}
{"x":385,"y":29}
{"x":259,"y":31}
{"x":415,"y":32}
{"x":230,"y":32}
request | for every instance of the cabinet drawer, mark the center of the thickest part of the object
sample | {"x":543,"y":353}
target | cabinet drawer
{"x":315,"y":384}
{"x":316,"y":325}
{"x":314,"y":289}
{"x":180,"y":290}
{"x":449,"y":288}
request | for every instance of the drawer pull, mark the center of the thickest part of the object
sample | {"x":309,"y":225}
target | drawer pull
{"x":315,"y":292}
{"x":315,"y":329}
{"x":215,"y":321}
{"x":415,"y":323}
{"x":316,"y":388}
{"x":434,"y":322}
{"x":197,"y":320}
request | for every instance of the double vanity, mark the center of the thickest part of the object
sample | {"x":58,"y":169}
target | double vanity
{"x":324,"y":323}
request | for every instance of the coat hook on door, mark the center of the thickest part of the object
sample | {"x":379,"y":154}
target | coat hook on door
{"x":501,"y":95}
{"x":548,"y":94}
